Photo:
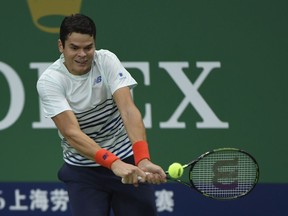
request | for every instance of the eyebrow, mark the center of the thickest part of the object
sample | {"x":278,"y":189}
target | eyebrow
{"x":74,"y":45}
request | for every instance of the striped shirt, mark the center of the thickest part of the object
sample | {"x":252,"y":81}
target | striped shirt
{"x":89,"y":96}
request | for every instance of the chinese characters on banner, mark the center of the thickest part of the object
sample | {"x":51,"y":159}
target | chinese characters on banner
{"x":52,"y":199}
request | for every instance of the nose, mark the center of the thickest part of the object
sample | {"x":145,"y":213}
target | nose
{"x":81,"y":53}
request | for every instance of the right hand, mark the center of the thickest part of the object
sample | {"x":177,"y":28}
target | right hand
{"x":128,"y":172}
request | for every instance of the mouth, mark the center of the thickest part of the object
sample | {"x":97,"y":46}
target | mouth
{"x":81,"y":62}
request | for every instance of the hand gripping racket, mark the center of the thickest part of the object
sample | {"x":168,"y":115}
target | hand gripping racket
{"x":225,"y":173}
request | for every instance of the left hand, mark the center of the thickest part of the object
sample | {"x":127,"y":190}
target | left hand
{"x":154,"y":173}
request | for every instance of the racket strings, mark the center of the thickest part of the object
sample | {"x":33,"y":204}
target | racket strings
{"x":224,"y":174}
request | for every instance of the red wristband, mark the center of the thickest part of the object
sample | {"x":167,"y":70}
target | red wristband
{"x":141,"y":151}
{"x":105,"y":158}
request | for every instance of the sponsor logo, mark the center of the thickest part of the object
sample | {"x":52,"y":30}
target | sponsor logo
{"x":190,"y":90}
{"x":97,"y":80}
{"x":49,"y":9}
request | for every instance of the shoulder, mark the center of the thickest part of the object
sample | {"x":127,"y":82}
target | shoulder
{"x":51,"y":76}
{"x":104,"y":53}
{"x":53,"y":71}
{"x":105,"y":56}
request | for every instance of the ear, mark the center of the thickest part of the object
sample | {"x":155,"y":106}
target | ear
{"x":60,"y":46}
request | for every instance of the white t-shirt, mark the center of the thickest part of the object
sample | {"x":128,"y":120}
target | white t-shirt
{"x":89,"y":96}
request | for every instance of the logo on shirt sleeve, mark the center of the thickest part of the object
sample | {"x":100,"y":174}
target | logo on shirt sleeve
{"x":121,"y":75}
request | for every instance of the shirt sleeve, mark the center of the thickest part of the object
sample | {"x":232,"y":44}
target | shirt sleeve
{"x":52,"y":96}
{"x":115,"y":74}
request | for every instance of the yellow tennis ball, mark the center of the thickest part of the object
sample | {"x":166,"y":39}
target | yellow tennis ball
{"x":175,"y":170}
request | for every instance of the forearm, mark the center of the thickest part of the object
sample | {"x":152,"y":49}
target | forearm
{"x":68,"y":126}
{"x":134,"y":125}
{"x":83,"y":144}
{"x":136,"y":131}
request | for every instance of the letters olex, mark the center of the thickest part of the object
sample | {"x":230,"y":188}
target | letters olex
{"x":175,"y":71}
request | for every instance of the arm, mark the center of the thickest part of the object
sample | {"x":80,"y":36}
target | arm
{"x":68,"y":126}
{"x":130,"y":114}
{"x":136,"y":131}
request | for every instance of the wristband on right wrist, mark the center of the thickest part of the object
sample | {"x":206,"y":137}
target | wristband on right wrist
{"x":141,"y":151}
{"x":105,"y":158}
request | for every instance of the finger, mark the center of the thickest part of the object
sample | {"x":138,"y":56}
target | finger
{"x":141,"y":175}
{"x":127,"y":179}
{"x":124,"y":181}
{"x":131,"y":179}
{"x":135,"y":181}
{"x":155,"y":178}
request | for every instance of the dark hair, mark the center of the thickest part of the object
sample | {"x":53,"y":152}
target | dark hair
{"x":78,"y":23}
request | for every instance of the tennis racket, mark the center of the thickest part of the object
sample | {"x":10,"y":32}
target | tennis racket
{"x":225,"y":173}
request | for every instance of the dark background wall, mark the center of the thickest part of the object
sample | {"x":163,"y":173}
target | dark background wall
{"x":242,"y":102}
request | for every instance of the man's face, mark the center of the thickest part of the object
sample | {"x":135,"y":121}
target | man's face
{"x":78,"y":53}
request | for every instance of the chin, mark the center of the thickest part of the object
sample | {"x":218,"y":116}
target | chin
{"x":82,"y":70}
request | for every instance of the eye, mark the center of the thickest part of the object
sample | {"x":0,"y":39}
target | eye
{"x":74,"y":48}
{"x":88,"y":48}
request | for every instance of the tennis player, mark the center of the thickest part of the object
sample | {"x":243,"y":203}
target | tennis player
{"x":87,"y":94}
